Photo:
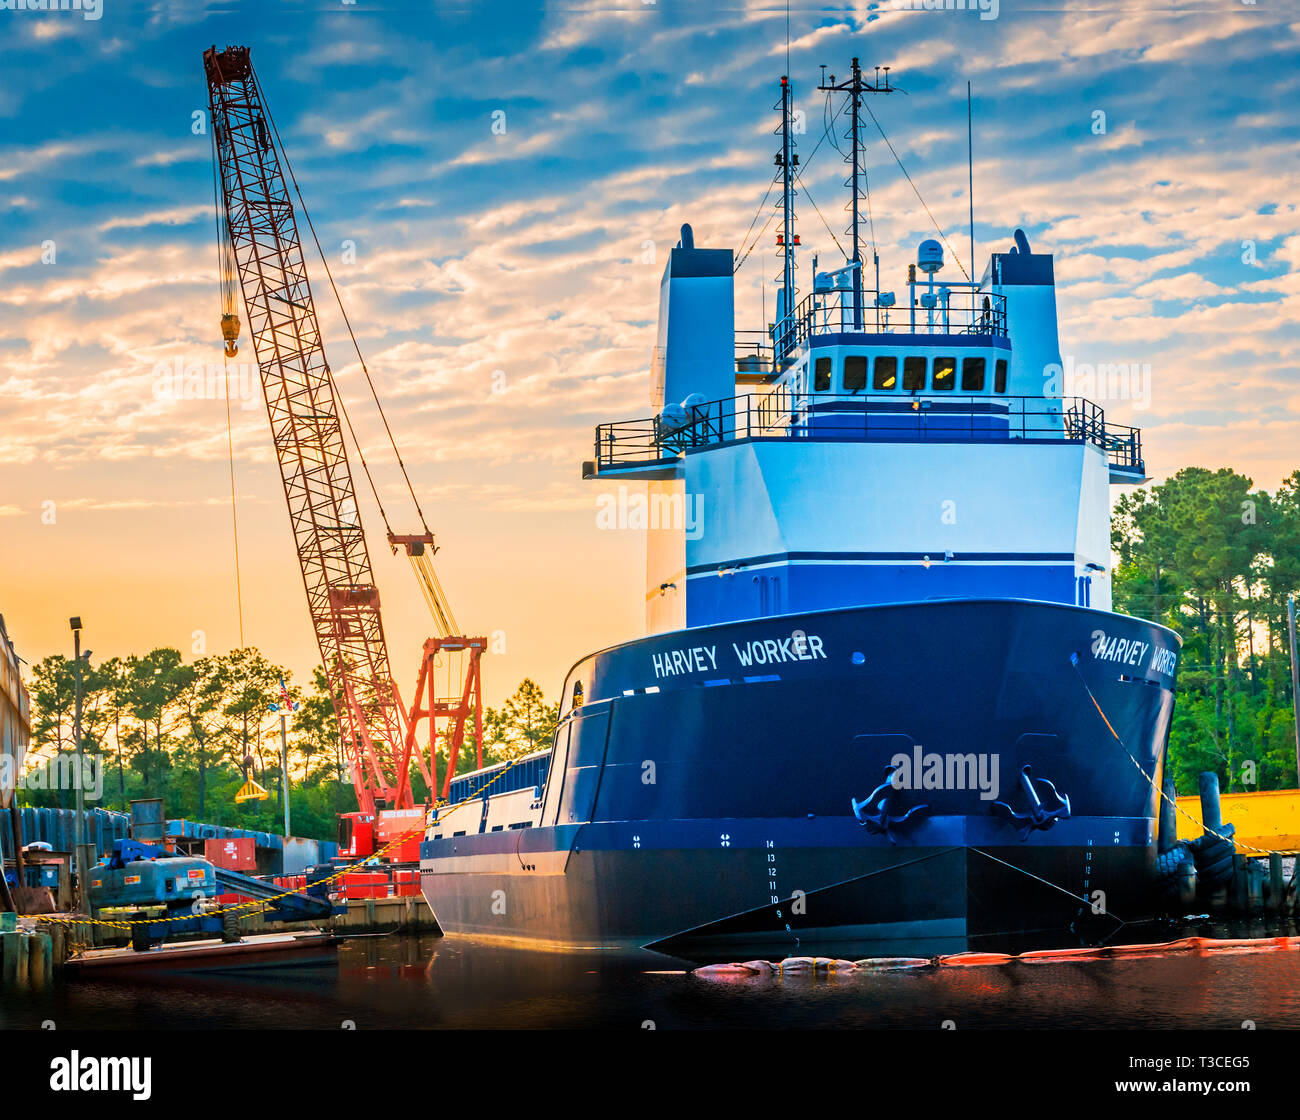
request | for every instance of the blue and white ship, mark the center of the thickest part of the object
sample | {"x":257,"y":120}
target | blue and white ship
{"x":883,"y":705}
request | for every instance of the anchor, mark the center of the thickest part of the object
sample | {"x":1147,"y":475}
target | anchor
{"x":1040,"y":816}
{"x":881,"y":800}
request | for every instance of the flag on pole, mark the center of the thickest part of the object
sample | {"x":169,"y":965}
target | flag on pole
{"x":285,"y":702}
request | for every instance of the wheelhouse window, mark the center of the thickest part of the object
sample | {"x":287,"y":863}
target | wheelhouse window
{"x":884,"y":378}
{"x":914,"y":374}
{"x":822,"y":376}
{"x":855,"y":373}
{"x":1000,"y":376}
{"x":945,"y":374}
{"x":972,"y":375}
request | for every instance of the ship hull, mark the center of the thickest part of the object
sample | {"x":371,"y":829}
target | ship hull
{"x":704,"y":806}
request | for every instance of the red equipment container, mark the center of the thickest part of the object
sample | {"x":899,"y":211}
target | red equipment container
{"x":365,"y":884}
{"x":406,"y":884}
{"x":408,"y":851}
{"x":234,"y":853}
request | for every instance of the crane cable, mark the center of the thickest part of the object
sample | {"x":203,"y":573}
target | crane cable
{"x":430,"y":587}
{"x":227,"y":262}
{"x":348,"y":323}
{"x":226,"y":267}
{"x":234,"y":517}
{"x":434,"y":597}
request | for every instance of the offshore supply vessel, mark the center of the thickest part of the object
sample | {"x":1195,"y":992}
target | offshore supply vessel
{"x":883,"y":701}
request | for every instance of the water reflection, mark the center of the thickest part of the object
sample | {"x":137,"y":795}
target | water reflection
{"x":427,"y":982}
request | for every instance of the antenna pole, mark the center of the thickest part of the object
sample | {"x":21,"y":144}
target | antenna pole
{"x":788,"y":161}
{"x":855,"y":87}
{"x":857,"y":252}
{"x":970,"y":181}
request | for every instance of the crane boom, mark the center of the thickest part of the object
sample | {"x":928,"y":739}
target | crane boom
{"x":303,"y":407}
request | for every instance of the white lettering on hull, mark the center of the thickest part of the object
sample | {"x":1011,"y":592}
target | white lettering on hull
{"x":757,"y":651}
{"x":1132,"y":652}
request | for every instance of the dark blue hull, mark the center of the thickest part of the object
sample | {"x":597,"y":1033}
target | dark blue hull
{"x":698,"y":803}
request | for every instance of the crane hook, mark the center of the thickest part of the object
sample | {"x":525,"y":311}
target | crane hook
{"x":230,"y":332}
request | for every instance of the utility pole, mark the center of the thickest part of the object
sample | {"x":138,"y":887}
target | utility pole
{"x":284,"y":705}
{"x":284,"y":769}
{"x":79,"y":827}
{"x":1295,"y":677}
{"x":855,"y":87}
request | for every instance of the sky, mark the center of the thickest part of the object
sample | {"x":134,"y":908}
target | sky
{"x":503,"y":282}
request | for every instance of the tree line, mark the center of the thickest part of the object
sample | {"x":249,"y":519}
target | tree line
{"x":1214,"y":558}
{"x":194,"y":732}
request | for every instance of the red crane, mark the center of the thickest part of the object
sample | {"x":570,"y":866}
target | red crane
{"x":261,"y":251}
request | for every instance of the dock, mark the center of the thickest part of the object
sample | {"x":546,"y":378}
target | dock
{"x":265,"y":950}
{"x":1266,"y":820}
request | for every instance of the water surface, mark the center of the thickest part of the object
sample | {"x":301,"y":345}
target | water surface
{"x":429,"y":982}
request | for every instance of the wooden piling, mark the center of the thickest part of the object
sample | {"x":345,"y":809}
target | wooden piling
{"x":1254,"y":886}
{"x":9,"y":946}
{"x":1208,"y":786}
{"x":1276,"y":884}
{"x":13,"y":959}
{"x":40,"y":959}
{"x":1168,"y":835}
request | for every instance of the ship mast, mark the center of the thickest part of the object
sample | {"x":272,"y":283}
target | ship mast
{"x":855,"y":87}
{"x":786,"y":240}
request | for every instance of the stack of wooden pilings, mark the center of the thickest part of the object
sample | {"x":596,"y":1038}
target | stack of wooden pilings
{"x":1259,"y":886}
{"x":26,"y":956}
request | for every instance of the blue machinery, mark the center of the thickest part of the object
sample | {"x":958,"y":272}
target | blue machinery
{"x":139,"y":882}
{"x":276,"y":855}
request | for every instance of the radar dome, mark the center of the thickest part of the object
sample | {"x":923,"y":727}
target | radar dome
{"x":929,"y":256}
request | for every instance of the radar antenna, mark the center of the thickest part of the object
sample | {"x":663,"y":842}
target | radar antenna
{"x":855,"y":87}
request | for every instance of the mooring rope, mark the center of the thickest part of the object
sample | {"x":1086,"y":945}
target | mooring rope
{"x":1074,"y":660}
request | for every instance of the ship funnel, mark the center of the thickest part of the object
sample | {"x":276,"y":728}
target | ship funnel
{"x":696,"y":343}
{"x":1027,"y":280}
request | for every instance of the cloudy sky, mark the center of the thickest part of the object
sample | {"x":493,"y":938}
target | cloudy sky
{"x":504,"y":284}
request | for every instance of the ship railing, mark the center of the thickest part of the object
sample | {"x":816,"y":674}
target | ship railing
{"x":754,"y":353}
{"x":781,"y":413}
{"x":939,"y":311}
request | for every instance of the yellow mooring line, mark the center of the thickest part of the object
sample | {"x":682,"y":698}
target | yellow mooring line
{"x":1151,"y":781}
